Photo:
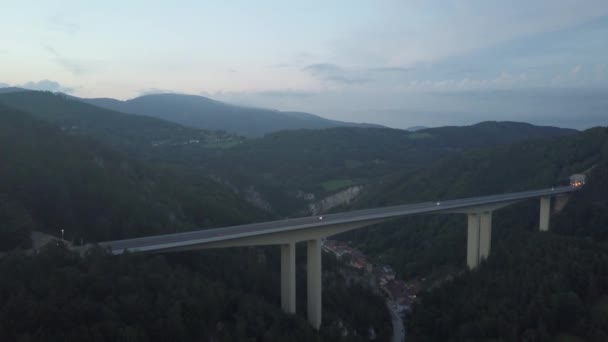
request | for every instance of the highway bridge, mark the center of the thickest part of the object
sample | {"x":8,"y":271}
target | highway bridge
{"x":286,"y":233}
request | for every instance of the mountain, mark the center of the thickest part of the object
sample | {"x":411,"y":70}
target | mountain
{"x":7,"y":90}
{"x":205,"y":113}
{"x":54,"y":179}
{"x":415,"y":128}
{"x":280,"y":171}
{"x":513,"y":167}
{"x":138,"y":134}
{"x":289,"y":168}
{"x":489,"y":133}
{"x":534,"y":286}
{"x":417,"y":245}
{"x":51,"y":180}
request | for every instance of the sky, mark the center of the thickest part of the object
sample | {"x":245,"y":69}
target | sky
{"x":397,"y":63}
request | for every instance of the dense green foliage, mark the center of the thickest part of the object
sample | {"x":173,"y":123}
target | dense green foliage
{"x":67,"y":173}
{"x":58,"y":182}
{"x":514,"y":167}
{"x":421,"y":244}
{"x":534,"y":287}
{"x":51,"y":180}
{"x":60,"y":296}
{"x":16,"y":224}
{"x":284,"y":165}
{"x":587,"y":213}
{"x":140,"y":135}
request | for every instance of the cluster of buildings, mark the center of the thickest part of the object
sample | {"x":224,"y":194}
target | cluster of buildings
{"x":400,"y":293}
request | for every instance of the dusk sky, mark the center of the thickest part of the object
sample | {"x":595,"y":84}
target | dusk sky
{"x":397,"y":63}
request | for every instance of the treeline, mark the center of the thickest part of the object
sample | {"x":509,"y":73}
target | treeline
{"x":58,"y":295}
{"x":534,"y":287}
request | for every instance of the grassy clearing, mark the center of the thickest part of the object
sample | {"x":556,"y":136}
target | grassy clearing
{"x":336,"y":184}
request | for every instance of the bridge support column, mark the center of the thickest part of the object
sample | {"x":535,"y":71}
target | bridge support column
{"x":288,"y":278}
{"x":314,"y":282}
{"x":479,"y":238}
{"x":473,"y":241}
{"x":545,"y":211}
{"x":485,"y":235}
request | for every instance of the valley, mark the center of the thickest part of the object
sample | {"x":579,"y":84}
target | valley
{"x":304,"y":171}
{"x":101,"y":181}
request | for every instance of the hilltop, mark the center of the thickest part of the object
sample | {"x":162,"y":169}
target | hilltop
{"x":205,"y":113}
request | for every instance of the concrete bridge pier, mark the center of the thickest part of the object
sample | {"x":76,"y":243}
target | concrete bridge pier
{"x":473,"y":241}
{"x":313,"y":249}
{"x":479,"y":238}
{"x":545,"y":211}
{"x":485,"y":235}
{"x":288,"y":277}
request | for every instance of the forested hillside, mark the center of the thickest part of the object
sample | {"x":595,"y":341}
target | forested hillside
{"x":427,"y":244}
{"x":228,"y":295}
{"x":51,"y":181}
{"x":287,"y":170}
{"x":137,"y":134}
{"x":92,"y":172}
{"x":534,"y":287}
{"x":286,"y":165}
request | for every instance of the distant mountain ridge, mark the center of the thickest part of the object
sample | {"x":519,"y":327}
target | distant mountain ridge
{"x":416,"y":128}
{"x":202,"y":112}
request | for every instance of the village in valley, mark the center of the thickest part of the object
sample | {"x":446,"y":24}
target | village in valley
{"x":401,"y":295}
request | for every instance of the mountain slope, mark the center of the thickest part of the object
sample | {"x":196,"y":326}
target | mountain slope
{"x":133,"y":132}
{"x":423,"y":245}
{"x":202,"y":112}
{"x":514,"y":167}
{"x":534,"y":286}
{"x":64,"y":182}
{"x":321,"y":162}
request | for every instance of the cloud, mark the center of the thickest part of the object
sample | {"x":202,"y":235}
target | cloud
{"x":4,"y":85}
{"x":335,"y":73}
{"x":390,"y":69}
{"x":153,"y":91}
{"x":70,"y":65}
{"x":286,"y":93}
{"x":47,"y":85}
{"x":322,"y":68}
{"x":59,"y":23}
{"x":427,"y":32}
{"x":574,"y":72}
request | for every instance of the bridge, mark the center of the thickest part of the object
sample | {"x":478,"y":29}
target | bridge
{"x":286,"y":233}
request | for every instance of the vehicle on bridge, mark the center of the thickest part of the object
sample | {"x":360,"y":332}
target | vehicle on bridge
{"x":578,"y":180}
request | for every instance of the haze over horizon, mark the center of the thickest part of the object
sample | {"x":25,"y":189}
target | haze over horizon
{"x":396,"y":63}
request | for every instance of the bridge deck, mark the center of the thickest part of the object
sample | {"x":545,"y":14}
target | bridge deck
{"x":160,"y":242}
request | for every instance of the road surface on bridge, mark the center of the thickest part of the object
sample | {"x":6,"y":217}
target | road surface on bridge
{"x":183,"y":240}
